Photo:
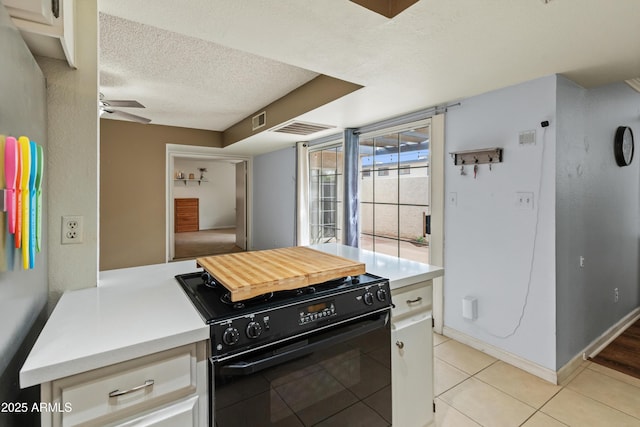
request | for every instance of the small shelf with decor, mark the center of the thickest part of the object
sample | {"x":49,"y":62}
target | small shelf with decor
{"x":185,"y":180}
{"x":181,"y":176}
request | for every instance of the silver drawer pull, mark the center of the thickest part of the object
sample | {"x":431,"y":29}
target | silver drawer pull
{"x":400,"y":344}
{"x":413,"y":301}
{"x":116,"y":393}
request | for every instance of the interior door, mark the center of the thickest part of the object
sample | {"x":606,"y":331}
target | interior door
{"x":241,"y":205}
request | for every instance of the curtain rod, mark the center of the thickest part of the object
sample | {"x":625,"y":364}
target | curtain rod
{"x":396,"y":121}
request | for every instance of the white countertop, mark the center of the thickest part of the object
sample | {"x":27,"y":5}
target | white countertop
{"x":133,"y":312}
{"x":142,"y":310}
{"x":400,"y":272}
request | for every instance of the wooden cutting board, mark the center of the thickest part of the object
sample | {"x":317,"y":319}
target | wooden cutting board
{"x":249,"y":274}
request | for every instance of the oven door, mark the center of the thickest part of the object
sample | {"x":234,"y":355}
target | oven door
{"x":340,"y":376}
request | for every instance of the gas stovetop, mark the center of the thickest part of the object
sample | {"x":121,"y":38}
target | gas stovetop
{"x":214,"y":303}
{"x":237,"y":326}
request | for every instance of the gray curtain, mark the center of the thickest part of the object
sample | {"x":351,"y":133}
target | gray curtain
{"x":351,"y":232}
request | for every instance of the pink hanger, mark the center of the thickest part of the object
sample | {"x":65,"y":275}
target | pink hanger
{"x":11,"y":174}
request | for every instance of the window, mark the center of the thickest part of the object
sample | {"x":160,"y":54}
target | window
{"x":325,"y":194}
{"x":394,"y":202}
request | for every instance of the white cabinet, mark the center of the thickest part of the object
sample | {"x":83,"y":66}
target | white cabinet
{"x":44,"y":33}
{"x":412,"y":356}
{"x":162,"y":389}
{"x":31,"y":10}
{"x":179,"y":414}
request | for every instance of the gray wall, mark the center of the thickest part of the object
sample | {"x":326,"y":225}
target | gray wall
{"x":494,"y":250}
{"x":274,"y":196}
{"x":23,"y":294}
{"x":597,"y":214}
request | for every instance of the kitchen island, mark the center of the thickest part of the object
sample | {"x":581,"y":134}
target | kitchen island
{"x":140,"y":322}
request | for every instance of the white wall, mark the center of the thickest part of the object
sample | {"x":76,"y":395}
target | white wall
{"x":493,"y":249}
{"x":598,"y":214}
{"x":274,"y":196}
{"x":73,"y":132}
{"x":217,"y":205}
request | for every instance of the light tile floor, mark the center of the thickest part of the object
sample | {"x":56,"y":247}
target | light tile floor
{"x":475,"y":389}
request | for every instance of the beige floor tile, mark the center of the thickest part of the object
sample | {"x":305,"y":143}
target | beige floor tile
{"x":446,"y":376}
{"x":486,"y":405}
{"x":610,"y":391}
{"x":463,"y":357}
{"x":585,"y":364}
{"x":517,"y":383}
{"x":439,"y":339}
{"x":575,"y":409}
{"x":446,"y":416}
{"x":615,"y":374}
{"x":542,"y":420}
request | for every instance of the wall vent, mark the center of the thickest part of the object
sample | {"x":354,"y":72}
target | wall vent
{"x":259,"y":120}
{"x":301,"y":128}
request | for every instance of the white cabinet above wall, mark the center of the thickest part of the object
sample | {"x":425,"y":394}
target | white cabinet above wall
{"x":47,"y":26}
{"x":32,"y":10}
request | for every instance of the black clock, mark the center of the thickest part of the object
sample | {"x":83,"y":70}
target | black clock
{"x":623,"y":146}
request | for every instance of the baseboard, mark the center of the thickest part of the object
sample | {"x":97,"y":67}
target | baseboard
{"x":612,"y":333}
{"x":598,"y":344}
{"x":510,"y":358}
{"x":555,"y":377}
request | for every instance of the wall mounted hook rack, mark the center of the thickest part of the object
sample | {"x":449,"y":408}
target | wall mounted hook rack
{"x":477,"y":157}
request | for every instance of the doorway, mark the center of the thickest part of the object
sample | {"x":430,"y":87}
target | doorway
{"x":206,"y":213}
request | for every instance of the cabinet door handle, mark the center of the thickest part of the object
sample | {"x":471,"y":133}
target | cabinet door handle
{"x":413,"y":301}
{"x":400,"y":344}
{"x":116,"y":393}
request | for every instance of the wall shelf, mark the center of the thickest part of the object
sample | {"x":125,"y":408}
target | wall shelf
{"x":477,"y":157}
{"x":185,"y":180}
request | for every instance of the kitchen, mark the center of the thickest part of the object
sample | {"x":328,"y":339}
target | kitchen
{"x":85,"y":182}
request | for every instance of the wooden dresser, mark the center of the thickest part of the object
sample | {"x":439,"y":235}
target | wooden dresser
{"x":186,"y":215}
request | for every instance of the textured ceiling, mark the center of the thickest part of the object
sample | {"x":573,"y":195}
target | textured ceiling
{"x":185,"y":81}
{"x":435,"y":52}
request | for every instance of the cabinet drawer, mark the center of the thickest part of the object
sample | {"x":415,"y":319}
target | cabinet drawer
{"x":118,"y":391}
{"x":411,"y":298}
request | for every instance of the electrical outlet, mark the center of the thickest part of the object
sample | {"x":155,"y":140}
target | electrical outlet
{"x":524,"y":200}
{"x":72,"y":230}
{"x":616,"y":295}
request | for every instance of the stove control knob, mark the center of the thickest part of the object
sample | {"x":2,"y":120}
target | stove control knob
{"x":230,"y":336}
{"x":381,"y":294}
{"x":368,"y":298}
{"x":254,"y":330}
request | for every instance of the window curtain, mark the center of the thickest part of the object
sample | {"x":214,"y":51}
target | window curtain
{"x":302,"y":202}
{"x":351,"y":233}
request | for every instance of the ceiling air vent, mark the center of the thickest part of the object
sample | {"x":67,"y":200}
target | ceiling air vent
{"x":301,"y":128}
{"x":259,"y":120}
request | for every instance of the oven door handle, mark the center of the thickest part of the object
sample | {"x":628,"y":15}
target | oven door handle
{"x":242,"y":368}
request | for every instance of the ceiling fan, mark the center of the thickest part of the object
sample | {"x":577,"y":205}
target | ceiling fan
{"x":108,"y":106}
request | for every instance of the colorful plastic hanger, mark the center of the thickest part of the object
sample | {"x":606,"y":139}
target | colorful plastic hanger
{"x":33,"y":149}
{"x":22,"y":142}
{"x":11,"y":173}
{"x":39,"y":177}
{"x":25,"y":149}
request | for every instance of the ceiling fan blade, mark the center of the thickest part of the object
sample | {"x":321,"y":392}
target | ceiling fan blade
{"x":122,"y":103}
{"x":128,"y":116}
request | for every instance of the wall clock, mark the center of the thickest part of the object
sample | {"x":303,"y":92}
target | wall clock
{"x":623,"y":146}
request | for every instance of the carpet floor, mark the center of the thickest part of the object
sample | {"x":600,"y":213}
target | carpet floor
{"x":194,"y":244}
{"x":623,"y":354}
